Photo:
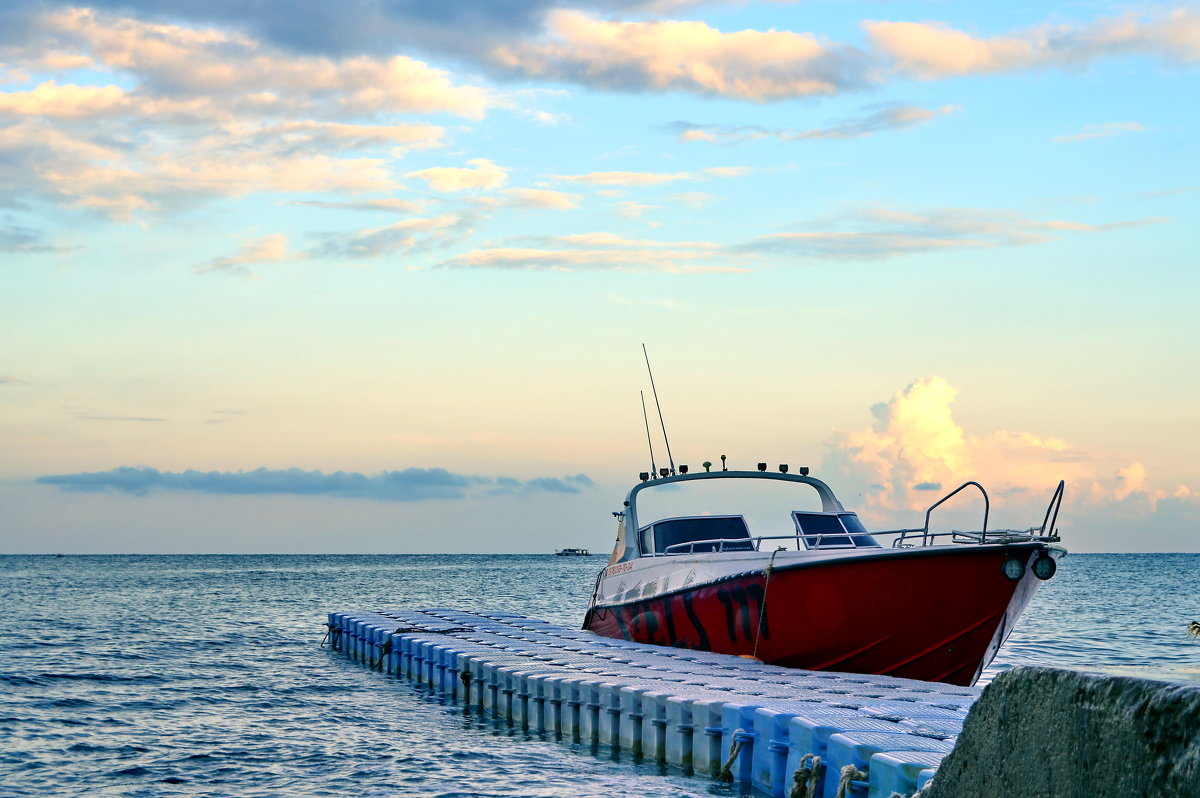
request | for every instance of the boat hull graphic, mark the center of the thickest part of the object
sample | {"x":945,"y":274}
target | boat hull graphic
{"x":936,"y":613}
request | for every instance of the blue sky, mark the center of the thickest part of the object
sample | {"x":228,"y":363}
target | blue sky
{"x":904,"y":243}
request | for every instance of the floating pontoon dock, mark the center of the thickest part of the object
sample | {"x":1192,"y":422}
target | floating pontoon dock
{"x":836,"y":735}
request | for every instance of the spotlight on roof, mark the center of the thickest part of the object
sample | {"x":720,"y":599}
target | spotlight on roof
{"x":662,"y":472}
{"x":645,"y":475}
{"x":783,"y":468}
{"x":762,"y":466}
{"x":803,"y":471}
{"x":682,"y":469}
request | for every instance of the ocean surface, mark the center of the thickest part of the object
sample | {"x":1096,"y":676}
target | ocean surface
{"x":204,"y":675}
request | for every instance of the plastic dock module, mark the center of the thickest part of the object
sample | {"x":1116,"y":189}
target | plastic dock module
{"x":712,"y":714}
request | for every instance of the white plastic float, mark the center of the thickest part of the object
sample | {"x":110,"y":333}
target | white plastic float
{"x":713,"y":714}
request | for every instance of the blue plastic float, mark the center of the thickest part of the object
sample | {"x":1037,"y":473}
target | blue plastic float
{"x":716,"y":715}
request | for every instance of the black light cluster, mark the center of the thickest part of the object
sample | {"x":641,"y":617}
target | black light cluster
{"x":645,"y":476}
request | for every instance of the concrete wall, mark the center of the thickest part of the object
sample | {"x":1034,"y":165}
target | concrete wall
{"x":1062,"y":734}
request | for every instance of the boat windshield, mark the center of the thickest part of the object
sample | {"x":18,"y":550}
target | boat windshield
{"x":729,"y":510}
{"x":832,"y":531}
{"x":706,"y":533}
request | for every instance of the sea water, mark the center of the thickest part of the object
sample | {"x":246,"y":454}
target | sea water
{"x":205,"y":675}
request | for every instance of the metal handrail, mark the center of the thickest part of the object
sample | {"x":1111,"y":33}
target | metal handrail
{"x":1046,"y":530}
{"x":1056,"y":505}
{"x":987,"y":505}
{"x":757,"y":542}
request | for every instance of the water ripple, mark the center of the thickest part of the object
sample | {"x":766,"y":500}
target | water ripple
{"x":202,"y":675}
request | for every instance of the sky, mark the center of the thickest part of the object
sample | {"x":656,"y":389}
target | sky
{"x":375,"y":277}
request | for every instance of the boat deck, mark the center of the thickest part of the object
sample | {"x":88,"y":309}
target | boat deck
{"x":713,"y":714}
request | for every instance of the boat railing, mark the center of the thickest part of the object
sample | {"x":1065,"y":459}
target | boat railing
{"x":907,"y":538}
{"x":844,"y":540}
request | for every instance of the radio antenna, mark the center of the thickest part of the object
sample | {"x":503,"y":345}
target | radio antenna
{"x":659,"y":406}
{"x":646,"y":418}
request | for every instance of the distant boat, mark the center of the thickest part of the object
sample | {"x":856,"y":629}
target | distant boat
{"x":572,"y":553}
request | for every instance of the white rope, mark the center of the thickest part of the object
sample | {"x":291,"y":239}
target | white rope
{"x":726,"y":772}
{"x":849,"y":774}
{"x":804,"y":780}
{"x":762,"y":608}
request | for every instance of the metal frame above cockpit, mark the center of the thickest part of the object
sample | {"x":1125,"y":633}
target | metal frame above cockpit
{"x":629,"y":520}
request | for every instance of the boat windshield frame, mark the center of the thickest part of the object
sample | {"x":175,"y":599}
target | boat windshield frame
{"x":829,"y":502}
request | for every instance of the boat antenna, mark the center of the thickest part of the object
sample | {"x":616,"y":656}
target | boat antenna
{"x":646,"y":418}
{"x":659,"y":406}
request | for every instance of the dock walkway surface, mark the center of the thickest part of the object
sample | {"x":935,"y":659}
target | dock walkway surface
{"x":821,"y":733}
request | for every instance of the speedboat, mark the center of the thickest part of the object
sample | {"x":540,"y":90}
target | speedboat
{"x":812,"y":588}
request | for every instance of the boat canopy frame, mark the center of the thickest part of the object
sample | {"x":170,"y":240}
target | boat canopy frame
{"x":629,"y":517}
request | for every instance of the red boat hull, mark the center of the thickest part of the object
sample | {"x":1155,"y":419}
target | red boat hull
{"x":936,"y":614}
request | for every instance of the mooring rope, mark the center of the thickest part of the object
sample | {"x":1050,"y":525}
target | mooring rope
{"x":725,"y":774}
{"x":849,"y":774}
{"x":465,"y":678}
{"x":804,"y":780}
{"x":762,"y":608}
{"x":384,"y":650}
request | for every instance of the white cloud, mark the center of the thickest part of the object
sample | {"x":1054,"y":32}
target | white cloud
{"x":263,"y":250}
{"x":401,"y":238}
{"x":876,"y":232}
{"x":171,"y":61}
{"x":601,"y":251}
{"x":644,"y":179}
{"x":387,"y":204}
{"x":195,"y":113}
{"x":914,"y":452}
{"x":684,"y":56}
{"x":633,"y":210}
{"x":1104,"y":130}
{"x":932,"y":51}
{"x":542,"y":199}
{"x":874,"y":120}
{"x":481,"y":173}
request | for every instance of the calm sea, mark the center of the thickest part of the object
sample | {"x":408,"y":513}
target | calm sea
{"x":203,"y":675}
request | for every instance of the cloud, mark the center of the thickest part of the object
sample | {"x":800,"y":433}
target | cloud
{"x":542,"y":199}
{"x":263,"y":250}
{"x":890,"y":117}
{"x":402,"y":237}
{"x":877,"y":232}
{"x":683,"y":56}
{"x":456,"y":27}
{"x":645,"y":179}
{"x":693,"y":199}
{"x":914,"y":447}
{"x":633,"y":210}
{"x":931,"y":51}
{"x":388,"y":204}
{"x":410,"y":484}
{"x":1104,"y":130}
{"x":482,"y":173}
{"x":206,"y":66}
{"x":5,"y":380}
{"x":600,"y":252}
{"x":135,"y":419}
{"x":190,"y":114}
{"x":26,"y":240}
